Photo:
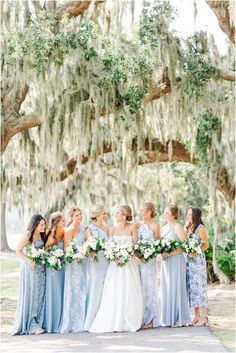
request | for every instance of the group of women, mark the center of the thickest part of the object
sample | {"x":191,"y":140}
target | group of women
{"x":98,"y":296}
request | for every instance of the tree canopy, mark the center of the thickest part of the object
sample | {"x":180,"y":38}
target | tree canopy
{"x":95,"y":91}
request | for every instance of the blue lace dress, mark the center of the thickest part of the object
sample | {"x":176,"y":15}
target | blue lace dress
{"x":54,"y":297}
{"x":97,"y":273}
{"x":148,"y":273}
{"x":196,"y":277}
{"x":75,"y":292}
{"x":174,"y":301}
{"x":31,"y":297}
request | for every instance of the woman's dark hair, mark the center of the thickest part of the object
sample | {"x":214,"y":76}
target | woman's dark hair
{"x":196,"y":217}
{"x":34,"y":222}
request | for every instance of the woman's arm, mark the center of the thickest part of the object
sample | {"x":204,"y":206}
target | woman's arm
{"x":157,"y":231}
{"x":111,"y":232}
{"x":106,"y":229}
{"x":69,"y":235}
{"x":180,"y":232}
{"x":137,"y":224}
{"x":24,"y":241}
{"x":50,"y":241}
{"x":88,"y":234}
{"x":204,"y":237}
{"x":134,"y":233}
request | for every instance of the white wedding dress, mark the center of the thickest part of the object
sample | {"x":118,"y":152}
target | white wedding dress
{"x":121,"y":307}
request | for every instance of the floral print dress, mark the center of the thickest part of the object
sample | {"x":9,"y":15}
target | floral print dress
{"x":196,"y":277}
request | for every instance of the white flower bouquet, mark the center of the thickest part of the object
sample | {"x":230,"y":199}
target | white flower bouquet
{"x":75,"y":253}
{"x":54,"y":258}
{"x":93,"y":246}
{"x":167,"y":245}
{"x":119,"y":252}
{"x":192,"y":246}
{"x":145,"y":250}
{"x":35,"y":255}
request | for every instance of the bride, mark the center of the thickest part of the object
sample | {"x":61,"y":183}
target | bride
{"x":121,"y":307}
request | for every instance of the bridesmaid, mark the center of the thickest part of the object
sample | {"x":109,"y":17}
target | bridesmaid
{"x":54,"y":279}
{"x":196,"y":268}
{"x":174,"y":301}
{"x":97,"y":270}
{"x":31,"y":297}
{"x":75,"y":289}
{"x":149,"y":230}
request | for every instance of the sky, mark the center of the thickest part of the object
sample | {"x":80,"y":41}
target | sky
{"x":205,"y":20}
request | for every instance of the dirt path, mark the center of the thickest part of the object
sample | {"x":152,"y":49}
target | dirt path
{"x":188,"y":339}
{"x":221,"y":313}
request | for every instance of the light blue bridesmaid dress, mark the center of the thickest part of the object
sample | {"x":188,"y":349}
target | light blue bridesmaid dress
{"x":174,"y":301}
{"x":75,"y":292}
{"x":148,"y":274}
{"x":197,"y":277}
{"x":97,"y":273}
{"x":54,"y":297}
{"x":31,"y":297}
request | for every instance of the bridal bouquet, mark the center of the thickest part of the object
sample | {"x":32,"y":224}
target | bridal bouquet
{"x":192,"y":246}
{"x":145,"y":250}
{"x":54,"y":258}
{"x":119,"y":252}
{"x":93,"y":246}
{"x":34,"y":254}
{"x":167,"y":245}
{"x":75,"y":252}
{"x":158,"y":246}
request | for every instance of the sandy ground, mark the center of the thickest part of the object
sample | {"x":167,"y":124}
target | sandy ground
{"x":221,"y":313}
{"x":215,"y":338}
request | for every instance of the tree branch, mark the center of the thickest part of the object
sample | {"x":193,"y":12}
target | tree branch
{"x":221,"y":10}
{"x":225,"y":74}
{"x":154,"y":152}
{"x":157,"y":152}
{"x":15,"y":124}
{"x":74,"y":8}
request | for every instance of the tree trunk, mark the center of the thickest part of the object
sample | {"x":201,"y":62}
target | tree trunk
{"x":222,"y":277}
{"x":4,"y":243}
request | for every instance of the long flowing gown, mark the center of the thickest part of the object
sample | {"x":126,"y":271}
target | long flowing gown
{"x":174,"y":301}
{"x":197,"y":277}
{"x":121,"y":307}
{"x":148,"y":274}
{"x":75,"y":292}
{"x":54,"y":297}
{"x":96,"y":272}
{"x":31,"y":297}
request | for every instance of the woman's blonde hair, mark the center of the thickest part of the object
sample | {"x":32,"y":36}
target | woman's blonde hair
{"x":71,"y":214}
{"x":96,"y":211}
{"x":149,"y":206}
{"x":54,"y":219}
{"x":126,"y":210}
